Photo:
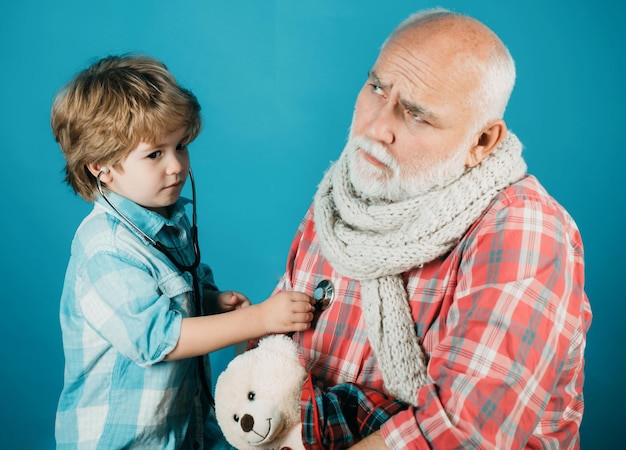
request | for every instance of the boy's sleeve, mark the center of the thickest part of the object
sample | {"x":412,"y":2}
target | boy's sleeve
{"x":124,"y":304}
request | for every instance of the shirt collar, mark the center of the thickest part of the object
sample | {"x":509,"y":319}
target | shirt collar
{"x":147,"y":221}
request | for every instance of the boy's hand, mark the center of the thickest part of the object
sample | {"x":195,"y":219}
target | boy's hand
{"x":231,"y":300}
{"x":287,"y":311}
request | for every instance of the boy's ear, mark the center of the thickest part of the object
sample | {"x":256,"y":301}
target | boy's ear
{"x":488,"y":139}
{"x":100,"y":169}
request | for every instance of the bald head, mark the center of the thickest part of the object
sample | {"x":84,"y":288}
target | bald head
{"x":467,"y":51}
{"x":431,"y":107}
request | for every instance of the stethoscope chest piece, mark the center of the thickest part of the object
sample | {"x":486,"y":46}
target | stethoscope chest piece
{"x":323,"y":294}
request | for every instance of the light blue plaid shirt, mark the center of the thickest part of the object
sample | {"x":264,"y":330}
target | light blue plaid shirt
{"x":121,"y":310}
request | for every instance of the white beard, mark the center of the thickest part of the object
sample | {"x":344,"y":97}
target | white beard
{"x":390,"y":183}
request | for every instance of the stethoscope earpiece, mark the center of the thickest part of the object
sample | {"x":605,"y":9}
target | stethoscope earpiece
{"x":323,"y":294}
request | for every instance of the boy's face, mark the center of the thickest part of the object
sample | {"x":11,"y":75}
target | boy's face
{"x":152,"y":176}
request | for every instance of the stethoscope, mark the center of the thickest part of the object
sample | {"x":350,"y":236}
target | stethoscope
{"x":323,"y":294}
{"x":191,"y":268}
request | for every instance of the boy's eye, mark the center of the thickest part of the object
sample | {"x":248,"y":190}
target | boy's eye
{"x":154,"y":154}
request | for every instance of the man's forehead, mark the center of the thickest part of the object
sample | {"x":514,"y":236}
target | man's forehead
{"x":406,"y":99}
{"x":424,"y":79}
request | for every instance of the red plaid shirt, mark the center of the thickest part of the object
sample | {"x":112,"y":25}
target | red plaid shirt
{"x":502,"y":318}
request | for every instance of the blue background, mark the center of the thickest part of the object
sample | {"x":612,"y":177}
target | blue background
{"x":277,"y":81}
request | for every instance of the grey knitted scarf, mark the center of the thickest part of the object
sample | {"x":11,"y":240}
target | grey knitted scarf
{"x":376,"y":243}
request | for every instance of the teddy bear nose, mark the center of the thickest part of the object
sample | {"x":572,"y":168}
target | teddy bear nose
{"x":247,"y":423}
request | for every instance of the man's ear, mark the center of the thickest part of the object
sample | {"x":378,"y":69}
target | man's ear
{"x":99,"y":168}
{"x":488,"y":139}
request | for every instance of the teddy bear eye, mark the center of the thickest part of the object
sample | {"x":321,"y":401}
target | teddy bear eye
{"x":251,"y":395}
{"x":236,"y":418}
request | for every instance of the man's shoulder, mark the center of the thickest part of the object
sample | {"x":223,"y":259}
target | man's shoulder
{"x":529,"y":193}
{"x":526,"y":204}
{"x":528,"y":188}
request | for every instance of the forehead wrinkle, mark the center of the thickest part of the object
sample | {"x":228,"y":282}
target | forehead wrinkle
{"x":411,"y":77}
{"x":432,"y":65}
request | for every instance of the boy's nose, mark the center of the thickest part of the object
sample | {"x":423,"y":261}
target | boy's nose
{"x":175,"y":164}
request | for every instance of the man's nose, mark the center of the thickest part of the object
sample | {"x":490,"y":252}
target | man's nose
{"x":381,"y":124}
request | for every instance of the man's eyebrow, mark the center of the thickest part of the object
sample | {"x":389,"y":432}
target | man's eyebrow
{"x":416,"y":109}
{"x":372,"y":76}
{"x":409,"y":106}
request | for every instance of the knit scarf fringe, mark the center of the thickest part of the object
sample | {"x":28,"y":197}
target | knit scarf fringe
{"x":376,"y":243}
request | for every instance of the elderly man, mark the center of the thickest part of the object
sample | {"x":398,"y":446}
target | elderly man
{"x":456,"y":315}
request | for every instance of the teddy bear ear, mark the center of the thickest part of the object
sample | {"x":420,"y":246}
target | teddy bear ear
{"x":279,"y":343}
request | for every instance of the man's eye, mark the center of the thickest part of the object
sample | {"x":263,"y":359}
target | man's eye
{"x":377,"y":89}
{"x":415,"y":116}
{"x":154,"y":154}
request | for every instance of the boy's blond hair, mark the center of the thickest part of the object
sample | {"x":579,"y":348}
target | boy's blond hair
{"x":106,"y":110}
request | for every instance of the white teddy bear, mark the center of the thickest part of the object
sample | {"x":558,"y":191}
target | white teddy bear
{"x":257,"y":397}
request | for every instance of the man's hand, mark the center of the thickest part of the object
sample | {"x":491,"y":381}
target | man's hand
{"x":373,"y":441}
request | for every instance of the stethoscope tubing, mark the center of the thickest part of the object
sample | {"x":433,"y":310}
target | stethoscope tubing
{"x":156,"y":244}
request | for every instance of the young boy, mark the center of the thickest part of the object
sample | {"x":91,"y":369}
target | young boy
{"x":130,"y":326}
